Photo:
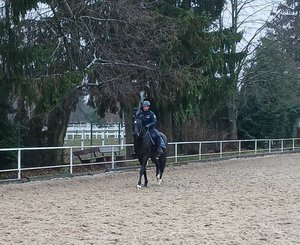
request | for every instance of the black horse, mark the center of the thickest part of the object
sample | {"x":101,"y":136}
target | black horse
{"x":145,"y":149}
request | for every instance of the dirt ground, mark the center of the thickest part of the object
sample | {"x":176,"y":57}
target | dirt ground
{"x":239,"y":201}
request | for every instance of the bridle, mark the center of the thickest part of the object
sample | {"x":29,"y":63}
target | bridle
{"x":138,"y":128}
{"x":139,"y":131}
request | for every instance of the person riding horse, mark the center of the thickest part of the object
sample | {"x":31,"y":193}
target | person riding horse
{"x":148,"y":142}
{"x":149,"y":122}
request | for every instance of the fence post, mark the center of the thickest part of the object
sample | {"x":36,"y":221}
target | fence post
{"x":91,"y":134}
{"x":293,"y":144}
{"x":122,"y":143}
{"x":200,"y":150}
{"x":19,"y":164}
{"x":82,"y":134}
{"x":282,"y":145}
{"x":221,"y":149}
{"x":71,"y":161}
{"x":82,"y":143}
{"x":176,"y":160}
{"x":240,"y":147}
{"x":270,"y":146}
{"x":113,"y":157}
{"x":255,"y":147}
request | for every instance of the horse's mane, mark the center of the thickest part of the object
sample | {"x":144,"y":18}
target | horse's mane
{"x":136,"y":112}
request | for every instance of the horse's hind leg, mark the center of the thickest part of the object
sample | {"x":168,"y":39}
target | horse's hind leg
{"x":153,"y":159}
{"x":162,"y":165}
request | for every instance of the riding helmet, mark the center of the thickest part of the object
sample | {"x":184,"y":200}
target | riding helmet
{"x":146,"y":103}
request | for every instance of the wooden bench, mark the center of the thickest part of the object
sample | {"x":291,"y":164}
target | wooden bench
{"x":97,"y":154}
{"x":117,"y":157}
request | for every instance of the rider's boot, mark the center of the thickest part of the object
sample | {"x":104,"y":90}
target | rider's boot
{"x":159,"y":151}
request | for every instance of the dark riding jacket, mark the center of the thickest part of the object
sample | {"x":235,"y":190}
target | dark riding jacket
{"x":148,"y":119}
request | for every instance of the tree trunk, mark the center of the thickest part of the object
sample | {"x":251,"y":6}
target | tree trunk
{"x":48,"y":134}
{"x":232,"y":119}
{"x":58,"y":121}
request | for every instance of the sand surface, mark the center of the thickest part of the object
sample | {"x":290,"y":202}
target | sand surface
{"x":239,"y":201}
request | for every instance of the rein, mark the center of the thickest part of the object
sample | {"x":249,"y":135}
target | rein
{"x":146,"y":133}
{"x":150,"y":137}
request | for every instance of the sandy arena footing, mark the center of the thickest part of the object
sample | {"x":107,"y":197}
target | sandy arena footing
{"x":239,"y":201}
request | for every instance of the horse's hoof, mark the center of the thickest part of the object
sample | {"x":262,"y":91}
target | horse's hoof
{"x":160,"y":182}
{"x":138,"y":187}
{"x":157,"y":177}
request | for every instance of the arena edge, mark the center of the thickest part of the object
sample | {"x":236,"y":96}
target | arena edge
{"x":178,"y":153}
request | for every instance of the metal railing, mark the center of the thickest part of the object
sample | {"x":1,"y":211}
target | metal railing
{"x":177,"y":152}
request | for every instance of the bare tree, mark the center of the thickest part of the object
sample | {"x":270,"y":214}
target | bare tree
{"x":240,"y":25}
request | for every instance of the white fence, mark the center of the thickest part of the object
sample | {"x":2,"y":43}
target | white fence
{"x":177,"y":152}
{"x":84,"y":131}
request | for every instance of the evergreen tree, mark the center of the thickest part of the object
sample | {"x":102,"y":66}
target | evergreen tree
{"x":271,"y":88}
{"x":110,"y":50}
{"x":186,"y":60}
{"x":12,"y":57}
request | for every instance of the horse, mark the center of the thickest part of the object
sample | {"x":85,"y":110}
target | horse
{"x":145,"y":149}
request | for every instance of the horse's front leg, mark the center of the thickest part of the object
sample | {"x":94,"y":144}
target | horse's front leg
{"x":143,"y":163}
{"x":140,"y":179}
{"x":145,"y":176}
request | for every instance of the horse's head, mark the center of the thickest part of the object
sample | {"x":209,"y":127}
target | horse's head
{"x":137,"y":127}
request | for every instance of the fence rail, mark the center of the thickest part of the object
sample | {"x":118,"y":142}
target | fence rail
{"x":84,"y":134}
{"x":86,"y":130}
{"x":98,"y":134}
{"x":177,"y":152}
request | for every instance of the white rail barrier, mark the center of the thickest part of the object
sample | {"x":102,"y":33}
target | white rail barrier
{"x":85,"y":130}
{"x":177,"y":151}
{"x":86,"y":133}
{"x":97,"y":134}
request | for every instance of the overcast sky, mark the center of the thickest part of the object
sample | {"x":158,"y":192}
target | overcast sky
{"x":252,"y":17}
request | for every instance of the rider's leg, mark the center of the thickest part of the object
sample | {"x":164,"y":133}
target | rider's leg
{"x":157,"y":142}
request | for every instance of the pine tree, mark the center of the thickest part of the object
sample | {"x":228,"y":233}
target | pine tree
{"x":271,"y":91}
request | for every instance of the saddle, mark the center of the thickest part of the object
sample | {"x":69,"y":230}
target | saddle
{"x":161,"y":140}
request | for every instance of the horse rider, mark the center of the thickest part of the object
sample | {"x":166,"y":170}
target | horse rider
{"x":149,"y":122}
